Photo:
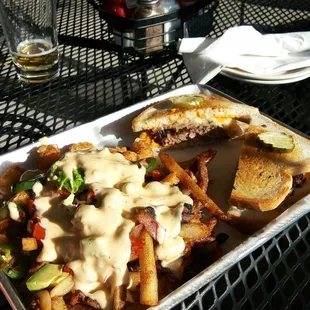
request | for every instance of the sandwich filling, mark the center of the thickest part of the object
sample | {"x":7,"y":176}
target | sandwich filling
{"x":171,"y":136}
{"x":211,"y":129}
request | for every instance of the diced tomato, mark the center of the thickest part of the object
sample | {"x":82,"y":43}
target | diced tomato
{"x":136,"y":243}
{"x":147,"y":218}
{"x":38,"y":231}
{"x":136,"y":246}
{"x":90,"y":196}
{"x":155,"y":175}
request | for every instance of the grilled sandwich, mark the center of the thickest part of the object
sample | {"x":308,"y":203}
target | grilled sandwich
{"x":190,"y":117}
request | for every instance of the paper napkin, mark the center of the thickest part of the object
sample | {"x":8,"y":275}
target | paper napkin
{"x":245,"y":48}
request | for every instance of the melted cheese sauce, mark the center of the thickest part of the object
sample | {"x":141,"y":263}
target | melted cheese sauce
{"x":94,"y":240}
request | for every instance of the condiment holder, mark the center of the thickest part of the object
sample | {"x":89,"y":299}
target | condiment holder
{"x":155,"y":26}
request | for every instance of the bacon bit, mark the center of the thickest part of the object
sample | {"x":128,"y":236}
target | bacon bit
{"x":147,"y":218}
{"x":155,"y":175}
{"x":62,"y":193}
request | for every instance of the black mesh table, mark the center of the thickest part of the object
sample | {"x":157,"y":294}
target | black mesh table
{"x":96,"y":80}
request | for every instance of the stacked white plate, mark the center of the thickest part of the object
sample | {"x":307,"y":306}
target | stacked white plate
{"x":277,"y":78}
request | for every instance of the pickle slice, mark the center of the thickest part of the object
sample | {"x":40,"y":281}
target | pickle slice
{"x":276,"y":141}
{"x":188,"y":101}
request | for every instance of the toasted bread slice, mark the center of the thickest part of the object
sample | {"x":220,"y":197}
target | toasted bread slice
{"x":264,"y":178}
{"x":163,"y":115}
{"x":249,"y":221}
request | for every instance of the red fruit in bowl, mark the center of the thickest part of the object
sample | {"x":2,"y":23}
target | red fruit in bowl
{"x":120,"y":11}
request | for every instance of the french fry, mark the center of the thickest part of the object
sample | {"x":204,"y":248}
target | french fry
{"x":142,"y":149}
{"x":197,"y":232}
{"x":119,"y":297}
{"x":131,"y":156}
{"x":135,"y":279}
{"x":191,"y":174}
{"x":197,"y":169}
{"x":21,"y":199}
{"x":29,"y":244}
{"x":202,"y":160}
{"x":196,"y":191}
{"x":58,"y":303}
{"x":117,"y":149}
{"x":81,"y":146}
{"x":171,"y":179}
{"x":47,"y":155}
{"x":10,"y":177}
{"x":192,"y":163}
{"x":148,"y":273}
{"x":45,"y":302}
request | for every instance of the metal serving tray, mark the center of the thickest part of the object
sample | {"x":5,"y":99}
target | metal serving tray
{"x":115,"y":129}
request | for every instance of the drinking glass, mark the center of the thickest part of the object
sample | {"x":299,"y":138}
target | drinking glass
{"x":29,"y":27}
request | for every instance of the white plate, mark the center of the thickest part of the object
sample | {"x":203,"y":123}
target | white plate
{"x":270,"y":81}
{"x":276,"y":76}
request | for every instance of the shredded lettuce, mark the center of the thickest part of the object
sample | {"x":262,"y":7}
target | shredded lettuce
{"x":74,"y":186}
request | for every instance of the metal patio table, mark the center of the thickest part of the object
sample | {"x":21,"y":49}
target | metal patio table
{"x":95,"y":81}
